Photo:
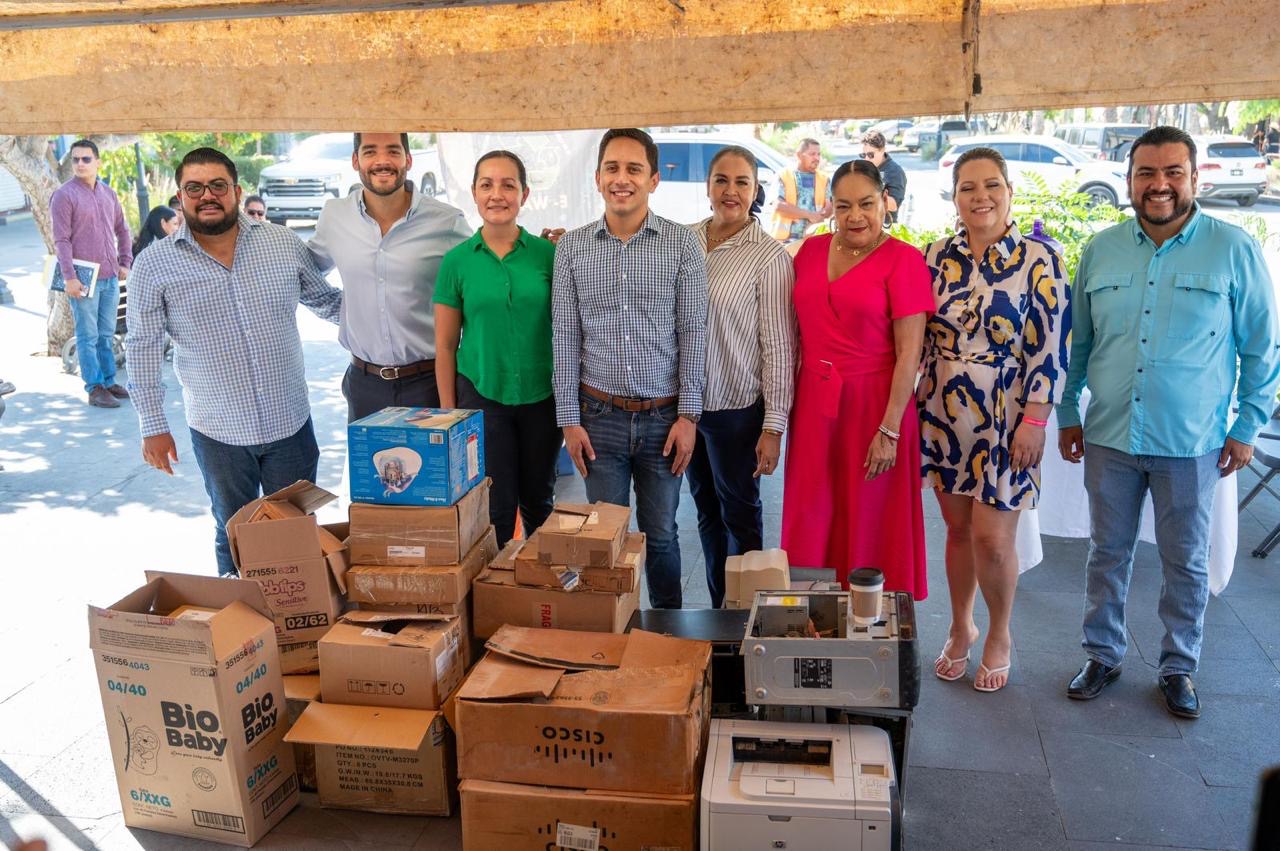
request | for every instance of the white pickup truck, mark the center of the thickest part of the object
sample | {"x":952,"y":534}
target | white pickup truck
{"x":319,"y":168}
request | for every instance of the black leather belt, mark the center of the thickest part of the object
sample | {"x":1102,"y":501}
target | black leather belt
{"x":391,"y":373}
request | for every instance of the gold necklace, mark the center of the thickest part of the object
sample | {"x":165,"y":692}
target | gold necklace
{"x":718,"y":240}
{"x":858,"y":252}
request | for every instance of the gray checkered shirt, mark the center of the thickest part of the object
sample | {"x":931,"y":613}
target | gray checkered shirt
{"x":237,"y":352}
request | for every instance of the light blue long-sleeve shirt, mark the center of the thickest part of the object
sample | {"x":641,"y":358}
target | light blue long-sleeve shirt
{"x":1164,"y":335}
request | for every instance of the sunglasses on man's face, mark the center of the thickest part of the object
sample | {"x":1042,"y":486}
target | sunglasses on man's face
{"x":257,"y":214}
{"x":85,"y":160}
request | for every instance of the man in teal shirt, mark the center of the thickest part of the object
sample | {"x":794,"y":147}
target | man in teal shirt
{"x":1172,"y":312}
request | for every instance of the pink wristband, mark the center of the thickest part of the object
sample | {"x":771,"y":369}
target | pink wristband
{"x":1034,"y":422}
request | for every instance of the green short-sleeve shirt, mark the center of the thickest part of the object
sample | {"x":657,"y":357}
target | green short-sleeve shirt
{"x":505,"y":348}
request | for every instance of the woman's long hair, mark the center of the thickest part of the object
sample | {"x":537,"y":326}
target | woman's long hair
{"x":152,"y":229}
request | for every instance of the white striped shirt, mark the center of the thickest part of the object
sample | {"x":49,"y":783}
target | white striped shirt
{"x":751,"y":324}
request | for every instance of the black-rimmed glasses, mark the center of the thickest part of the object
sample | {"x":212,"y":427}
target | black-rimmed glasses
{"x":195,"y":190}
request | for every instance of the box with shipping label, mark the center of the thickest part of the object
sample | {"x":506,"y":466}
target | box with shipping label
{"x":497,"y":599}
{"x":502,"y":816}
{"x":381,"y":759}
{"x":392,"y":585}
{"x":301,"y":565}
{"x":300,"y":691}
{"x":195,"y":708}
{"x":418,"y":536}
{"x":386,"y":659}
{"x":586,"y":711}
{"x":584,"y":535}
{"x":622,"y":578}
{"x":415,"y":456}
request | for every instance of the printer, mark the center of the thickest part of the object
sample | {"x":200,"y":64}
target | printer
{"x":825,"y":787}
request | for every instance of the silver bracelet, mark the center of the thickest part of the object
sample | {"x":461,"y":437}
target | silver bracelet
{"x":892,"y":435}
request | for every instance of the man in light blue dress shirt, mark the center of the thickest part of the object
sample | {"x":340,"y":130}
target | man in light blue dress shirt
{"x":387,"y":242}
{"x":1173,"y":313}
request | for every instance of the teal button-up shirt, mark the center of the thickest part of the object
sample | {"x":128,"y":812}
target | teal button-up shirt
{"x":1162,"y":336}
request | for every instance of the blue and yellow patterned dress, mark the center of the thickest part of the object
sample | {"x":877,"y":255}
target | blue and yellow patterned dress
{"x":998,"y":341}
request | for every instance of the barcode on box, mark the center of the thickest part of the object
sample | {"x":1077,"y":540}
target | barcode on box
{"x":576,"y":837}
{"x":218,"y":821}
{"x":280,"y":795}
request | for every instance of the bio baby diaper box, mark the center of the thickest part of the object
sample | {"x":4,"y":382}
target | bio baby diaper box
{"x":195,"y":707}
{"x":415,"y":456}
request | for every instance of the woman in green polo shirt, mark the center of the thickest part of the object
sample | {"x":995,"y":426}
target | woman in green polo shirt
{"x":493,"y":292}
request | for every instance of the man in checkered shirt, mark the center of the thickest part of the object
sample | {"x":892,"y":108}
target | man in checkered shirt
{"x":226,"y":289}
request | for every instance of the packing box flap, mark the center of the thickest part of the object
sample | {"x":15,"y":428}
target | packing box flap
{"x":498,"y":678}
{"x":362,"y":726}
{"x":559,"y":648}
{"x":291,"y":505}
{"x":495,"y":787}
{"x":185,"y":589}
{"x":373,"y":617}
{"x":588,"y":535}
{"x":506,"y":559}
{"x":405,"y":631}
{"x":670,"y":689}
{"x":302,"y":687}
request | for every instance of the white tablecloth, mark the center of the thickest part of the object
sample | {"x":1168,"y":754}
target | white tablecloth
{"x":1064,"y":512}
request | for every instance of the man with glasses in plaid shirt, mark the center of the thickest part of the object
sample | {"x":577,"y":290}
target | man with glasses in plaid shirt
{"x":226,"y":289}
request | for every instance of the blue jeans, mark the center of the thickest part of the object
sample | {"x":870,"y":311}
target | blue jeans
{"x":627,"y":446}
{"x":95,"y":326}
{"x":1182,"y":494}
{"x":235,"y":476}
{"x":721,"y":480}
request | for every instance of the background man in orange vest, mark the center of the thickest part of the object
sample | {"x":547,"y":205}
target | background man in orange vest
{"x":802,"y":195}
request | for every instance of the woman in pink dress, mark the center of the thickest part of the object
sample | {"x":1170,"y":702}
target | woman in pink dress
{"x":852,"y":492}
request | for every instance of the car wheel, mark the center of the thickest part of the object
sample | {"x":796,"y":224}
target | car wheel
{"x":1247,"y":200}
{"x":1100,"y":194}
{"x":913,"y":148}
{"x":70,"y":363}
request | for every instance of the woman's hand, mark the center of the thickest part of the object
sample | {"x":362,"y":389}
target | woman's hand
{"x":880,"y":455}
{"x":768,"y":450}
{"x":1027,"y":448}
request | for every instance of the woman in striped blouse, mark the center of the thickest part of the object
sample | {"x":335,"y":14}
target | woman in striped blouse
{"x":751,"y":338}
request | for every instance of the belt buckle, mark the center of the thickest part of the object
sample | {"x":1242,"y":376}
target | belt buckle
{"x":394,"y":370}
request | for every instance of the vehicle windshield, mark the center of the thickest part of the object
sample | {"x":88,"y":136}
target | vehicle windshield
{"x":1074,"y":155}
{"x":1232,"y":150}
{"x":323,"y":148}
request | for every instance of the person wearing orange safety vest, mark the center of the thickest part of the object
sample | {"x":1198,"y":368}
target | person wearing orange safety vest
{"x":802,"y":195}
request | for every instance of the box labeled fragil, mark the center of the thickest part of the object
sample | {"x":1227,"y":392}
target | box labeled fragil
{"x":387,"y":659}
{"x":195,"y":708}
{"x":497,"y":599}
{"x":380,"y":759}
{"x":300,"y":565}
{"x":494,"y":815}
{"x":300,"y":691}
{"x":583,"y":535}
{"x":586,"y":711}
{"x":418,"y":536}
{"x":392,"y":585}
{"x":622,"y":578}
{"x":415,"y":456}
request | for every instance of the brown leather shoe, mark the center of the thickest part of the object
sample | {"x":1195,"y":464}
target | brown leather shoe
{"x":99,"y":397}
{"x":118,"y":391}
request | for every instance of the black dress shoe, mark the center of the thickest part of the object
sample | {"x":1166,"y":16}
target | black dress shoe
{"x":1180,"y":695}
{"x":1091,"y":680}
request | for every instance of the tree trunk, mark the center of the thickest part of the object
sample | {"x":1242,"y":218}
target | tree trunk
{"x":1037,"y":123}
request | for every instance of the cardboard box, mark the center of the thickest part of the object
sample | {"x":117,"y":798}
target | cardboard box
{"x":302,"y":657}
{"x":587,"y":711}
{"x":415,"y":456}
{"x":449,"y":609}
{"x":388,"y":659}
{"x":380,"y":759}
{"x":506,"y":558}
{"x":195,"y":708}
{"x":503,"y":816}
{"x":300,"y":691}
{"x":622,"y":578}
{"x":390,"y":585}
{"x":497,"y":599}
{"x":418,"y":536}
{"x":584,"y":535}
{"x":300,"y":565}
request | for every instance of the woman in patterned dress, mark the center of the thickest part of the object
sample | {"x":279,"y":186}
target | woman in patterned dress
{"x":995,"y":363}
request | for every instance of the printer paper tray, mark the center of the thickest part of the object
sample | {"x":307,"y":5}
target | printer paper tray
{"x":749,"y":832}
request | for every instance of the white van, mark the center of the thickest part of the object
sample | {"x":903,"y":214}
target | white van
{"x":1101,"y":140}
{"x":683,"y":159}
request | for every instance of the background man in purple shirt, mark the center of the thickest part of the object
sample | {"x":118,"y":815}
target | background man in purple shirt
{"x":88,"y":224}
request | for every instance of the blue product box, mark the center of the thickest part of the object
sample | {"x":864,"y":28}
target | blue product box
{"x":415,"y":456}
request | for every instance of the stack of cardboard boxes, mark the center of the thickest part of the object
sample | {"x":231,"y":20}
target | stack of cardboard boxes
{"x":579,"y":571}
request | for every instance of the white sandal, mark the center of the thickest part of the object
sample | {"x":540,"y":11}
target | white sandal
{"x":991,"y":672}
{"x":951,"y":663}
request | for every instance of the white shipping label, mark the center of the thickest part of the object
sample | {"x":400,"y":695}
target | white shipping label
{"x":406,"y":552}
{"x":632,"y":558}
{"x":473,"y":456}
{"x":195,"y":615}
{"x":374,"y":633}
{"x":445,"y":661}
{"x":570,"y":522}
{"x":593,"y":518}
{"x":577,"y":837}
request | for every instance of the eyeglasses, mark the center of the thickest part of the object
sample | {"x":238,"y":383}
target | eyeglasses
{"x":195,"y":190}
{"x":85,"y":160}
{"x":257,"y":214}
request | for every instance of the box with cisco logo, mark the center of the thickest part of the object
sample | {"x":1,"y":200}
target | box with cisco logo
{"x":195,"y":707}
{"x":415,"y":456}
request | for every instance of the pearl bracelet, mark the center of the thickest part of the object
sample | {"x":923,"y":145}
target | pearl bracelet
{"x":892,"y":435}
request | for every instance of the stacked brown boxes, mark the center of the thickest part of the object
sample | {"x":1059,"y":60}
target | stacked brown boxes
{"x":583,"y":740}
{"x":579,"y":571}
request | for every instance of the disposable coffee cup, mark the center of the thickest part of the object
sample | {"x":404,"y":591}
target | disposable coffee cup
{"x":866,"y":585}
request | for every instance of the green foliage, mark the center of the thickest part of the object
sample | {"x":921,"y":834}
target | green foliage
{"x":249,"y":167}
{"x":1257,"y":110}
{"x":921,"y":238}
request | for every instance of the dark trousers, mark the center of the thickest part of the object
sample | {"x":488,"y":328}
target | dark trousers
{"x":521,"y":447}
{"x":234,"y":476}
{"x":730,"y":516}
{"x":367,"y":394}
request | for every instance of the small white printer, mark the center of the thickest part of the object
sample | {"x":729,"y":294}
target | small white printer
{"x":799,"y":787}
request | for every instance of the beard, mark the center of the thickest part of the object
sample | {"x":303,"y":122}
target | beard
{"x":226,"y":223}
{"x":1181,"y":206}
{"x":366,"y":178}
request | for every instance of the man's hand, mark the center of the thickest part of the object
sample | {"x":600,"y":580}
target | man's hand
{"x":552,"y":235}
{"x":1071,"y":443}
{"x":74,"y":288}
{"x":768,"y":450}
{"x":124,"y":274}
{"x":1235,"y":455}
{"x":816,"y":217}
{"x":579,"y":446}
{"x":682,"y":436}
{"x":158,"y":450}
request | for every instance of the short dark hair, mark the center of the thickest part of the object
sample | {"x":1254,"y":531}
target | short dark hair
{"x":1163,"y":135}
{"x":404,"y":143}
{"x":500,"y":154}
{"x":866,"y":168}
{"x":85,"y":143}
{"x":979,"y":153}
{"x":249,"y":199}
{"x":875,"y":139}
{"x":806,"y":142}
{"x":175,"y":202}
{"x":207,"y":156}
{"x":650,"y":149}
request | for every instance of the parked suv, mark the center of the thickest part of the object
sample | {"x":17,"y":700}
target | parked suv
{"x":318,"y":169}
{"x":683,"y":160}
{"x":1230,"y":167}
{"x":1101,"y":141}
{"x":1054,"y":161}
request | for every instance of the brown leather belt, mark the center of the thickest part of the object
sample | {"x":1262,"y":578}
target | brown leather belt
{"x":626,"y":403}
{"x":391,"y":373}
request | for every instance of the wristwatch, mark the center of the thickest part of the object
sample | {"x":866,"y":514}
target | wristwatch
{"x":693,"y":418}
